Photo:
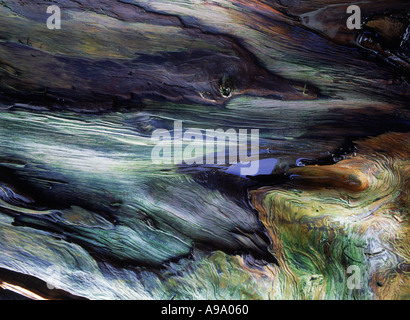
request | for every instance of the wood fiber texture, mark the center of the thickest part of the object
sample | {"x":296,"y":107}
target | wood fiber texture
{"x":84,"y":211}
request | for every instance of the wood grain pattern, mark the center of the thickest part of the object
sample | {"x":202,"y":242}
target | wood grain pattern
{"x":83,"y":207}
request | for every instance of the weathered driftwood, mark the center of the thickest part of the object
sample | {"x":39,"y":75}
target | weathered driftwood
{"x":353,"y":213}
{"x":82,"y":207}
